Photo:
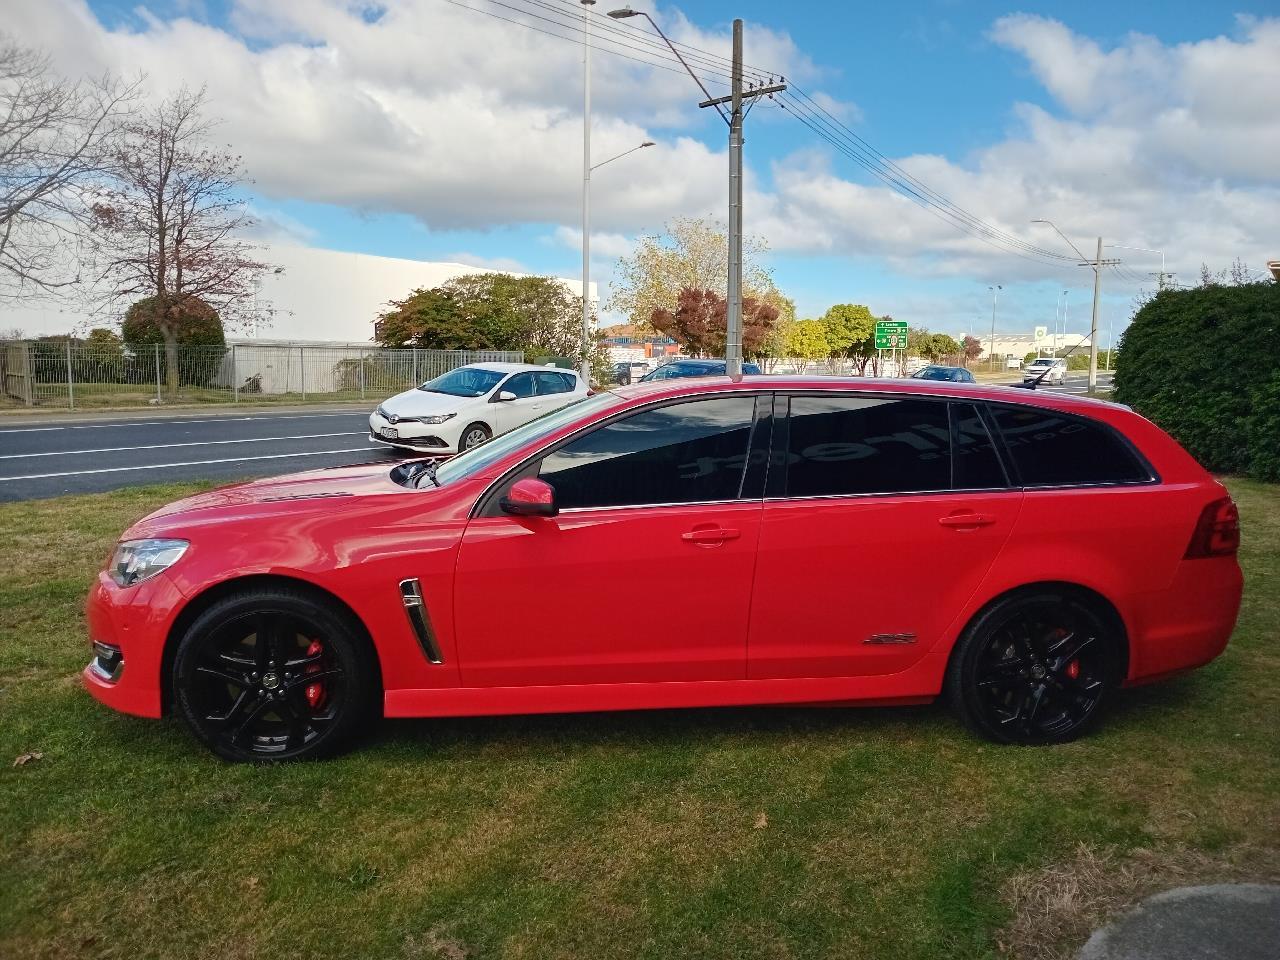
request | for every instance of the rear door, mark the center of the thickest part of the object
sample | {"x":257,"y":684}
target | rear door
{"x":887,"y":516}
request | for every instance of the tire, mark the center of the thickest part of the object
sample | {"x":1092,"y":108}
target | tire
{"x":1035,"y":668}
{"x":473,"y":435}
{"x":304,"y":693}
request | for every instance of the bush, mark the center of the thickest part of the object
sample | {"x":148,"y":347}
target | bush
{"x":197,"y":325}
{"x":1201,"y":364}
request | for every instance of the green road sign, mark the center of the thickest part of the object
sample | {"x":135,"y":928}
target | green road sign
{"x":891,"y":334}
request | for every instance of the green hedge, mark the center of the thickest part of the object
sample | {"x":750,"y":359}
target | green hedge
{"x":1202,"y":364}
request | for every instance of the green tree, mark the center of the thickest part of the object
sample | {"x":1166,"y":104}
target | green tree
{"x":428,"y":319}
{"x":939,"y":346}
{"x":692,"y":253}
{"x":851,"y":333}
{"x":807,"y":341}
{"x":180,"y":322}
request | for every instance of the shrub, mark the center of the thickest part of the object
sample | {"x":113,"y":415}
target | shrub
{"x":197,"y":325}
{"x":1201,"y":364}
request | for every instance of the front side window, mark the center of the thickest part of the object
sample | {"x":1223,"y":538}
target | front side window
{"x":689,"y":452}
{"x":464,"y":382}
{"x":839,"y":445}
{"x":521,"y":385}
{"x":1051,"y":449}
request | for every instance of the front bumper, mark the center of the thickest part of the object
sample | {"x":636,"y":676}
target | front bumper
{"x":427,"y":437}
{"x":128,"y":627}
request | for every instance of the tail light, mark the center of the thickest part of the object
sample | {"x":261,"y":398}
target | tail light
{"x":1217,"y":531}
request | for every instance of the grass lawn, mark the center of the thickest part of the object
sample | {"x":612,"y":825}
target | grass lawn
{"x":778,"y":833}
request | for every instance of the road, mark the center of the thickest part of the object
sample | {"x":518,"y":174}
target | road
{"x":49,"y":458}
{"x":1078,"y":383}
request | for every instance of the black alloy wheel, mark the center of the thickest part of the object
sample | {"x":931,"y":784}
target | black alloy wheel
{"x":1034,"y":669}
{"x":272,"y":675}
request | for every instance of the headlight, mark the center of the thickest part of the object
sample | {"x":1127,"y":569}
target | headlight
{"x":135,"y":560}
{"x":440,"y":418}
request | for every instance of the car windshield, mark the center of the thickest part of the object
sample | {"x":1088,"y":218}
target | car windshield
{"x":464,"y":382}
{"x":934,"y":373}
{"x":470,"y":462}
{"x":1042,"y":363}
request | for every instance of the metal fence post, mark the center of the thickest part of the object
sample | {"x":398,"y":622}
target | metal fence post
{"x":416,"y":381}
{"x":71,"y":390}
{"x":302,"y":371}
{"x":157,"y":352}
{"x":362,"y":373}
{"x":235,"y":377}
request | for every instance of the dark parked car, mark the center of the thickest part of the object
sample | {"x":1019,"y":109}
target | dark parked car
{"x":694,"y":368}
{"x":948,"y":374}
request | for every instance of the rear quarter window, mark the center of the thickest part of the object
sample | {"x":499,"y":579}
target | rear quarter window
{"x":1052,"y":449}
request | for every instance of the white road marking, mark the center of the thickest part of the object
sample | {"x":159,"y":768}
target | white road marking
{"x":166,"y":446}
{"x":179,"y":423}
{"x":189,"y":463}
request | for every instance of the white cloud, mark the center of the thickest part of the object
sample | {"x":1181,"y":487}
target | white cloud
{"x":465,"y":122}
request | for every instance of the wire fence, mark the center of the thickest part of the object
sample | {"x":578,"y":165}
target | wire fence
{"x":78,"y":375}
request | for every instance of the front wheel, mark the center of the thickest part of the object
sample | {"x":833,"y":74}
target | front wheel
{"x":273,"y":674}
{"x":473,"y":436}
{"x":1034,"y":668}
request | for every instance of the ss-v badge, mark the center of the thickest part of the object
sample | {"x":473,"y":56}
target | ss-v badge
{"x":891,"y":638}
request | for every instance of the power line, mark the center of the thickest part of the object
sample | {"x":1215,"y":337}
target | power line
{"x":668,"y":65}
{"x":947,"y":213}
{"x":873,"y":158}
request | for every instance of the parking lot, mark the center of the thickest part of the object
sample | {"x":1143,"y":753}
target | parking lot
{"x":49,"y":457}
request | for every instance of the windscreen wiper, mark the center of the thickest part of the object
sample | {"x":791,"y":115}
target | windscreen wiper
{"x":428,"y":471}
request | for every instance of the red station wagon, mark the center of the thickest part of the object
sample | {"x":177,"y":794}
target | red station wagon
{"x":811,"y":541}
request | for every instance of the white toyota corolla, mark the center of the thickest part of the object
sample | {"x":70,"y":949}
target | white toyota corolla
{"x":468,"y":405}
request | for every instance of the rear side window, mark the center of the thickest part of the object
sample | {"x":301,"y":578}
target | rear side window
{"x":846,"y":445}
{"x":684,"y":453}
{"x":975,"y":465}
{"x":553,"y":383}
{"x":1051,"y":449}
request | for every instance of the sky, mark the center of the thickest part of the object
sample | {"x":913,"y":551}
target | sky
{"x":427,"y":130}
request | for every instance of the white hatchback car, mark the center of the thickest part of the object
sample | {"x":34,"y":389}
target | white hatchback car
{"x":466,"y":406}
{"x":1052,"y":370}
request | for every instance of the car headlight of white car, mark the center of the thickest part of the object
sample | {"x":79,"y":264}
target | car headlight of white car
{"x":438,"y":418}
{"x":136,"y":560}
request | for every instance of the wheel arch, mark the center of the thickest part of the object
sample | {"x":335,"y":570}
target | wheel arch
{"x":1095,"y":599}
{"x":197,"y":604}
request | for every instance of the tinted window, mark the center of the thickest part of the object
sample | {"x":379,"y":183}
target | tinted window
{"x":684,"y":453}
{"x":521,"y":385}
{"x":975,"y":465}
{"x":464,"y":382}
{"x":1052,"y":449}
{"x":553,"y":383}
{"x":842,"y":445}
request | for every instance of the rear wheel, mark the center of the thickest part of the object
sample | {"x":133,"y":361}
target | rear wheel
{"x":1035,"y":668}
{"x":473,"y":436}
{"x":273,"y":675}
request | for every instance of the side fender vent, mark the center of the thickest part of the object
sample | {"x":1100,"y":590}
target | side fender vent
{"x":416,"y":610}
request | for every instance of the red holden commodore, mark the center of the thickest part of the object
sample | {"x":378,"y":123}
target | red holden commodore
{"x":808,"y":541}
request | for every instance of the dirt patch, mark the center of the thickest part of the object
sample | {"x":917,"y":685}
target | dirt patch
{"x":1056,"y":908}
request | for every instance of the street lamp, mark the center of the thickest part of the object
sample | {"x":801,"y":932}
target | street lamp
{"x":995,"y":292}
{"x":586,"y":247}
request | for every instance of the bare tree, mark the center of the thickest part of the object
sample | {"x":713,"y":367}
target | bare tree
{"x":171,"y":228}
{"x":56,"y":141}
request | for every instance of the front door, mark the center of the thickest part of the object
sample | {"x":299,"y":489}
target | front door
{"x":509,"y":414}
{"x":884,"y":522}
{"x":644,"y":576}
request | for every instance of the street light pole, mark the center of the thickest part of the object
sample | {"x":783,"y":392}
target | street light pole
{"x":995,"y":292}
{"x":585,"y":364}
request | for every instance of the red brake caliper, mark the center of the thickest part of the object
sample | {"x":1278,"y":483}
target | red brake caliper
{"x":1073,"y":669}
{"x":315,"y":691}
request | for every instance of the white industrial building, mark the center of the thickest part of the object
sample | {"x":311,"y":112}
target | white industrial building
{"x":318,"y":296}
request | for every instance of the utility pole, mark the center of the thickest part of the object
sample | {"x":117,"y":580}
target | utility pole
{"x":991,"y":358}
{"x":735,"y":117}
{"x":1093,"y":323}
{"x":585,"y":365}
{"x":733,"y":340}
